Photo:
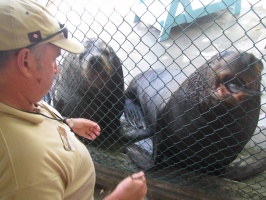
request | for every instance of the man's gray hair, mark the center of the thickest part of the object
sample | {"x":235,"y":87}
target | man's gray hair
{"x":4,"y":56}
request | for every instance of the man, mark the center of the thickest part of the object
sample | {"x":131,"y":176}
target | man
{"x":40,"y":158}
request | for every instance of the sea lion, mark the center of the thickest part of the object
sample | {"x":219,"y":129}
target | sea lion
{"x":203,"y":123}
{"x":91,"y":85}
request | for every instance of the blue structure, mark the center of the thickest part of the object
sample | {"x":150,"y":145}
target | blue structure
{"x":192,"y":9}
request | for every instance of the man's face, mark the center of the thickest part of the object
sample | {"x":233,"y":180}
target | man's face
{"x":46,"y":68}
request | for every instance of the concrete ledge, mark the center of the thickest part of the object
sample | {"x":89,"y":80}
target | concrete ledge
{"x":168,"y":184}
{"x":157,"y":190}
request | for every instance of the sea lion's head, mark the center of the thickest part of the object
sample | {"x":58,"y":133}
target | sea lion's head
{"x":97,"y":61}
{"x":237,"y":76}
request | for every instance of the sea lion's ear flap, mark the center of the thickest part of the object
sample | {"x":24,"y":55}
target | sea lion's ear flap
{"x":253,"y":62}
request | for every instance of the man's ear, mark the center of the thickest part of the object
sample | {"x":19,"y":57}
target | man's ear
{"x":25,"y":60}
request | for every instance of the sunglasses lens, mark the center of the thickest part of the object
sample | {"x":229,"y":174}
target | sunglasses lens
{"x":65,"y":32}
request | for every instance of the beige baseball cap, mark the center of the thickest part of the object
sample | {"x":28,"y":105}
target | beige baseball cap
{"x":25,"y":23}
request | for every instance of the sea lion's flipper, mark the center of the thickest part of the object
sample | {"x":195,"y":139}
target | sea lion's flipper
{"x":133,"y":114}
{"x":245,"y":168}
{"x":141,"y":157}
{"x":131,"y":133}
{"x":134,"y":135}
{"x":251,"y":161}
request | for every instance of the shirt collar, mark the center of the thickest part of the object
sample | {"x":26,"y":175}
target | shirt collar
{"x":27,"y":116}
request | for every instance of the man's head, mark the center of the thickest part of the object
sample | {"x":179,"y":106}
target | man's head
{"x":25,"y":23}
{"x":30,"y":42}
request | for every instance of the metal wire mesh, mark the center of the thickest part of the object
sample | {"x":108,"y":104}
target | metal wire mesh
{"x":172,"y":40}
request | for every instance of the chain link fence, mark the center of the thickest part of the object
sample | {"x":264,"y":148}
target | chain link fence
{"x":178,"y":88}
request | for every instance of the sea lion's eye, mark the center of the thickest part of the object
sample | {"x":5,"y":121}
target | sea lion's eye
{"x":233,"y":88}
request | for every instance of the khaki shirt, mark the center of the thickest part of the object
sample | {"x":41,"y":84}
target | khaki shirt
{"x":41,"y":158}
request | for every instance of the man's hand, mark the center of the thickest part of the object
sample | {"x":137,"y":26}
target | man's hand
{"x":133,"y":187}
{"x":85,"y":128}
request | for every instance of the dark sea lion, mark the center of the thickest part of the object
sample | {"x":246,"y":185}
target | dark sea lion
{"x":91,"y":85}
{"x":203,"y":123}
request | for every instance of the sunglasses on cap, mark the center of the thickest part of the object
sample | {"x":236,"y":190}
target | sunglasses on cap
{"x":63,"y":29}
